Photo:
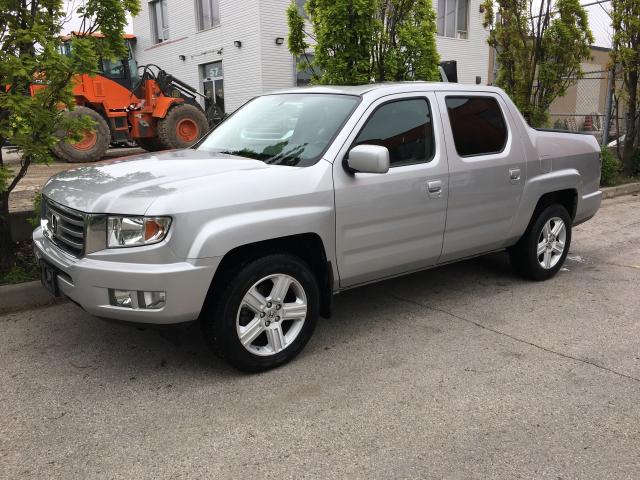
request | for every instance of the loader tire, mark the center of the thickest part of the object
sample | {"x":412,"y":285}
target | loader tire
{"x":150,"y":144}
{"x":92,"y":146}
{"x":183,"y":126}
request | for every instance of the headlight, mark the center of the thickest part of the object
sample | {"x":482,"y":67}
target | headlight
{"x":136,"y":231}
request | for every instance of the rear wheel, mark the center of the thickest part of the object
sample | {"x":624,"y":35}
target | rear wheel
{"x":266,"y":315}
{"x":183,"y":126}
{"x":541,"y":251}
{"x":93,"y":144}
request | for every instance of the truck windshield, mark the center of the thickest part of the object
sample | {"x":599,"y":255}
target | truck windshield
{"x":285,"y":129}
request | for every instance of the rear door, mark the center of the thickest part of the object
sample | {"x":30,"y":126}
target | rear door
{"x":391,"y":223}
{"x":487,"y":168}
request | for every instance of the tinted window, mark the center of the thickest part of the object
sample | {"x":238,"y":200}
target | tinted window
{"x":405,"y":128}
{"x":477,"y":124}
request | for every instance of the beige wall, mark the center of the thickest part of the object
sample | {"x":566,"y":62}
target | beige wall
{"x":587,"y":95}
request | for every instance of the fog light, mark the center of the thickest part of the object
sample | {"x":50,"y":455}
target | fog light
{"x":137,"y":299}
{"x":121,"y":298}
{"x":151,"y":300}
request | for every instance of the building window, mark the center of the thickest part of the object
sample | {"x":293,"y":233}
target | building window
{"x":452,"y":18}
{"x":304,"y":77}
{"x":207,"y":13}
{"x":301,"y":9}
{"x":159,"y":20}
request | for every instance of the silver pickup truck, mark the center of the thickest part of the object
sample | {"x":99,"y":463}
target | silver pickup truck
{"x":304,"y":193}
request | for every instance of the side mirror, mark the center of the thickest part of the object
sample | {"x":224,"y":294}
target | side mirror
{"x":368,"y":159}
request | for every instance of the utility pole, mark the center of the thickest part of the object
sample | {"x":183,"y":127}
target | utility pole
{"x":608,"y":107}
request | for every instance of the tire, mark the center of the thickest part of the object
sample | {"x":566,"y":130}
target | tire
{"x":183,"y":126}
{"x":551,"y":230}
{"x":229,"y":317}
{"x":150,"y":144}
{"x":92,"y":146}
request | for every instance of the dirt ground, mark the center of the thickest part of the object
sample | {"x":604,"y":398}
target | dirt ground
{"x":22,"y":197}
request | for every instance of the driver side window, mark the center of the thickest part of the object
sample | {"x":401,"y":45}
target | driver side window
{"x":405,"y":128}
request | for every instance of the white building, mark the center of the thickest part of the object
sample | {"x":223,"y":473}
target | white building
{"x":236,"y":49}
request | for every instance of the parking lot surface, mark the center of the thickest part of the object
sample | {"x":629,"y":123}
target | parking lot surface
{"x":464,"y":371}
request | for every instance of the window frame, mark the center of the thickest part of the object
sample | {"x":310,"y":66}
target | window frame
{"x":507,"y":138}
{"x":158,"y":31}
{"x":455,"y":19}
{"x":199,"y":14}
{"x":396,"y":100}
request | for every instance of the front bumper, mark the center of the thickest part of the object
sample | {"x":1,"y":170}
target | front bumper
{"x":87,"y":281}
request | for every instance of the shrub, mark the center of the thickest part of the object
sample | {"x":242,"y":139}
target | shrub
{"x":610,"y":167}
{"x":34,"y":219}
{"x":635,"y":162}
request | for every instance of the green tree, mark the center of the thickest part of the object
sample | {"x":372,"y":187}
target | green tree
{"x":405,"y":42}
{"x":36,"y":80}
{"x":625,"y":17}
{"x":358,"y":41}
{"x":539,"y":46}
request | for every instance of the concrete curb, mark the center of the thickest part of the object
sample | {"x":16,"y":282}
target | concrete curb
{"x":30,"y":295}
{"x":626,"y":189}
{"x":24,"y":296}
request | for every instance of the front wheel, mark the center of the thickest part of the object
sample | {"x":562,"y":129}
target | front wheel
{"x":266,"y":315}
{"x":541,"y":251}
{"x":93,"y":143}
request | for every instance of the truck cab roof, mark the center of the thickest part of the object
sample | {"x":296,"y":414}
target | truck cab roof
{"x":388,"y":88}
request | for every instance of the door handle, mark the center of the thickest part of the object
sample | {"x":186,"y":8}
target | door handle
{"x":434,"y":188}
{"x":514,"y":174}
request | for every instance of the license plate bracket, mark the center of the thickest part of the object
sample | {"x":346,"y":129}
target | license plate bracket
{"x":49,"y":278}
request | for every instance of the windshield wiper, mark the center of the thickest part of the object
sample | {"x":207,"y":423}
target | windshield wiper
{"x":243,"y":153}
{"x":280,"y":157}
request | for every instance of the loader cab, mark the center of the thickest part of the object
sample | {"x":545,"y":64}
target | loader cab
{"x":123,"y":71}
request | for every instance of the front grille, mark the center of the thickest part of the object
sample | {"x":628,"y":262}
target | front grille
{"x":64,"y":226}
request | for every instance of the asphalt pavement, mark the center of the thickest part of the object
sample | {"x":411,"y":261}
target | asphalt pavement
{"x":460,"y":372}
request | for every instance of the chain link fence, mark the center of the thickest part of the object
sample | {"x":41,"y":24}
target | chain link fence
{"x":589,"y":106}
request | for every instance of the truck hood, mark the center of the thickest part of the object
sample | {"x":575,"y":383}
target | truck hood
{"x":130,"y":184}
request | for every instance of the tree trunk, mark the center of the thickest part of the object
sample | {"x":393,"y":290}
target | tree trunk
{"x":6,"y":242}
{"x":631,"y":131}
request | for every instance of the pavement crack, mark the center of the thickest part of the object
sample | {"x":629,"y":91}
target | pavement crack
{"x":81,"y":367}
{"x":517,"y":339}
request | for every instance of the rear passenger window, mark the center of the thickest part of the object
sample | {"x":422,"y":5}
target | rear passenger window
{"x":405,"y":128}
{"x":477,"y":124}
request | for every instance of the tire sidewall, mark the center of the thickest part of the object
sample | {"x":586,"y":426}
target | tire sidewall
{"x":221,"y":329}
{"x":70,"y":154}
{"x":531,"y":245}
{"x":168,"y":125}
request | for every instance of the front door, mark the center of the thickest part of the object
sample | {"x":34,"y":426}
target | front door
{"x":487,"y":169}
{"x":213,"y":86}
{"x":388,"y":224}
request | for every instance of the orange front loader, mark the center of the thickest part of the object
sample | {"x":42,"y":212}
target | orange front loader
{"x":154,"y":109}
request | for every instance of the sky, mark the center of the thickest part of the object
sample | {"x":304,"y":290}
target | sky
{"x":73,"y":23}
{"x":600,"y":23}
{"x":598,"y":20}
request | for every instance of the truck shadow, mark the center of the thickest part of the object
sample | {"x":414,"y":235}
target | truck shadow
{"x":115,"y":351}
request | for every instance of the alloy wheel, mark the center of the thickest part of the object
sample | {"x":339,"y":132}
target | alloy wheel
{"x":551,"y":243}
{"x":271,"y":314}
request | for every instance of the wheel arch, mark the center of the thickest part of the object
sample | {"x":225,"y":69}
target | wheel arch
{"x":561,"y":186}
{"x":307,"y":246}
{"x":163,"y":104}
{"x":568,"y":198}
